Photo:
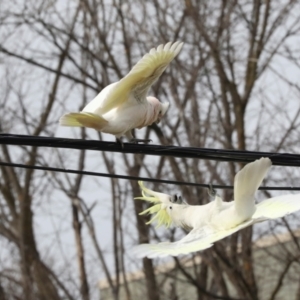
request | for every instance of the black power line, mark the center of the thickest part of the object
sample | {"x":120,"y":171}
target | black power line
{"x":278,"y":159}
{"x":127,"y":177}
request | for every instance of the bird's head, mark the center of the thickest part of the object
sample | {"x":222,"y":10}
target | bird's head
{"x":160,"y":203}
{"x":160,"y":108}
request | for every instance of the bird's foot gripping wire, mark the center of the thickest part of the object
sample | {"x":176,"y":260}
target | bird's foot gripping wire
{"x":136,"y":141}
{"x":211,"y":191}
{"x":119,"y":141}
{"x":177,"y":199}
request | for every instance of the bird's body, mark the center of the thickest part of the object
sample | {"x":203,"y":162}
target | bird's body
{"x":216,"y":220}
{"x":124,"y":105}
{"x":120,"y":120}
{"x":216,"y":214}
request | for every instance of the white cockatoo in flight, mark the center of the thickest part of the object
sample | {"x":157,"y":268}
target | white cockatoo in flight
{"x":216,"y":220}
{"x":124,"y":105}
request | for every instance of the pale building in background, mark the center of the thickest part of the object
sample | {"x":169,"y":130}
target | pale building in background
{"x":280,"y":281}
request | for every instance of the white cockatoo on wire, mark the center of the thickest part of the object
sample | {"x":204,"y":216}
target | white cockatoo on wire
{"x":216,"y":220}
{"x":124,"y":105}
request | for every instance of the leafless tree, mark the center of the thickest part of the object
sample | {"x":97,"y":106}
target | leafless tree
{"x":233,"y":86}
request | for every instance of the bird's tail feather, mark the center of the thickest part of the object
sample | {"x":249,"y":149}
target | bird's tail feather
{"x":83,"y":119}
{"x":277,"y":207}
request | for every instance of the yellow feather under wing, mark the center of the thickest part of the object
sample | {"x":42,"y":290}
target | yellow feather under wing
{"x":277,"y":207}
{"x":145,"y":72}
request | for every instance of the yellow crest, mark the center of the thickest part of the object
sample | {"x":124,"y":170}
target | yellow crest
{"x":161,"y":215}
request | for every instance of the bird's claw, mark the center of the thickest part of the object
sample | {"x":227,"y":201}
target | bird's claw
{"x":136,"y":141}
{"x":119,"y":141}
{"x":177,"y":199}
{"x":211,"y":191}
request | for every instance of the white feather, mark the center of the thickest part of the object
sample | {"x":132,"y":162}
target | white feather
{"x":124,"y":104}
{"x":216,"y":220}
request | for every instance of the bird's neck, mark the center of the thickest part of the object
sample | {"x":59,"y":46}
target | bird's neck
{"x":151,"y":112}
{"x":179,"y":215}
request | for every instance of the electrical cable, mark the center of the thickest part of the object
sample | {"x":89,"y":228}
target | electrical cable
{"x":136,"y":178}
{"x":279,"y":159}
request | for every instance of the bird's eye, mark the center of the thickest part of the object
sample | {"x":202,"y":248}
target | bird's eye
{"x":160,"y":112}
{"x":170,"y":207}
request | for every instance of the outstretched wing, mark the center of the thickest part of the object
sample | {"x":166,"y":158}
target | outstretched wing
{"x":246,"y":183}
{"x":196,"y":240}
{"x":277,"y":207}
{"x":139,"y":80}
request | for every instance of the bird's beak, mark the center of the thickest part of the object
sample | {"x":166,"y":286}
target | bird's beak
{"x":164,"y":108}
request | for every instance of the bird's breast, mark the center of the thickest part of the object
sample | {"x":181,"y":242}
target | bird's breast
{"x":125,"y":118}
